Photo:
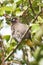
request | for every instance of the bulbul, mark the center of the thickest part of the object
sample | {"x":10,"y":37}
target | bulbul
{"x":18,"y":29}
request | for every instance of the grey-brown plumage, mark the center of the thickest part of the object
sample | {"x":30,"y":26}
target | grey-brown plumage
{"x":18,"y":29}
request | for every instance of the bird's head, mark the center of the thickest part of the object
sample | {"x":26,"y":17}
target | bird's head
{"x":14,"y":20}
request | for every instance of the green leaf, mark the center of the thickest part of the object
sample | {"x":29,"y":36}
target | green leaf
{"x":35,"y":28}
{"x":13,"y":42}
{"x":9,"y":49}
{"x":6,"y":37}
{"x":7,"y":9}
{"x":40,"y":20}
{"x":37,"y":53}
{"x":19,"y":13}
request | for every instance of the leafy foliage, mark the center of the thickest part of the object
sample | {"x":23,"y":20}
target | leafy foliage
{"x":26,"y":11}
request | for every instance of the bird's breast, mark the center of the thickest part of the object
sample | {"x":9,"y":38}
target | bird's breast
{"x":18,"y":31}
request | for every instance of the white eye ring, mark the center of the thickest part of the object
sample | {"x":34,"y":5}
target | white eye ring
{"x":13,"y":19}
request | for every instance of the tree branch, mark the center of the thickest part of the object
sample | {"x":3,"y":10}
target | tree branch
{"x":33,"y":21}
{"x":2,"y":51}
{"x":31,"y":7}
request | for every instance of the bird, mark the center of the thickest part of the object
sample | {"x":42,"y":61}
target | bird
{"x":19,"y":29}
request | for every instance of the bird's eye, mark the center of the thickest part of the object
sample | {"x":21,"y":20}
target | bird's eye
{"x":14,"y":20}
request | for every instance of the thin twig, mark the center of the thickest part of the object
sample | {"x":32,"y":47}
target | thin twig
{"x":33,"y":21}
{"x":14,"y":61}
{"x":31,"y":7}
{"x":2,"y":49}
{"x":25,"y":56}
